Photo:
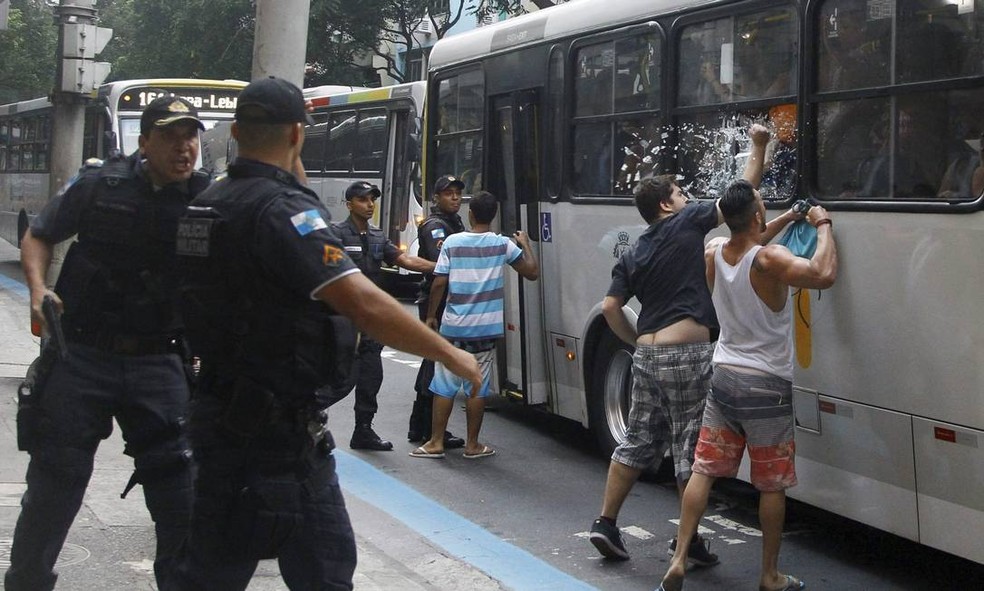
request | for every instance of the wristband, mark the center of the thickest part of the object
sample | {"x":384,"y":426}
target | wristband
{"x":824,"y":221}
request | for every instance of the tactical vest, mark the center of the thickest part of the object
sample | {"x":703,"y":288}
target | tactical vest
{"x":366,"y":250}
{"x":118,"y":278}
{"x":240,"y":321}
{"x":451,"y":224}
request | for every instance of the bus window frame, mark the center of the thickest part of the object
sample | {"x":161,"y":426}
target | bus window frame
{"x":433,"y":113}
{"x":387,"y":108}
{"x":642,"y":28}
{"x":810,"y":99}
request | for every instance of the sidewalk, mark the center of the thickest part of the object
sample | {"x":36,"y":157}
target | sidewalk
{"x":110,"y":546}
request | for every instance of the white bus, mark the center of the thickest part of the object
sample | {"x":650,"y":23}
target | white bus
{"x":112,"y":123}
{"x":877,"y":111}
{"x":371,"y":135}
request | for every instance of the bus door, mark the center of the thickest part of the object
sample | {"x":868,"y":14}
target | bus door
{"x":513,"y":176}
{"x":395,"y":217}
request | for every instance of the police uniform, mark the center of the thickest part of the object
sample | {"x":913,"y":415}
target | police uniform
{"x":254,"y":250}
{"x":123,"y":336}
{"x":430,"y":235}
{"x":369,"y":250}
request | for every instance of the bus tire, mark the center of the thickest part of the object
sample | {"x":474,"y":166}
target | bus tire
{"x":611,"y":389}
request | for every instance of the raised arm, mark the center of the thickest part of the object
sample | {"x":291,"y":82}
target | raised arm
{"x":818,"y":272}
{"x":755,"y":166}
{"x":777,"y":224}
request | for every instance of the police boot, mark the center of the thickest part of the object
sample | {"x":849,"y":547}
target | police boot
{"x":365,"y":438}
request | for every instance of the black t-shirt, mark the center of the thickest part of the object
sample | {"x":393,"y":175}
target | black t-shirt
{"x":664,"y":269}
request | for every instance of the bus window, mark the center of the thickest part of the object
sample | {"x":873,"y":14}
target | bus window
{"x":741,"y":58}
{"x":315,"y":140}
{"x":370,"y":150}
{"x":909,"y":144}
{"x":920,"y":146}
{"x":637,"y":74}
{"x":341,"y":140}
{"x":612,"y":150}
{"x":592,"y":159}
{"x":458,"y":140}
{"x":129,"y":134}
{"x":593,"y":84}
{"x":939,"y":40}
{"x":854,"y":44}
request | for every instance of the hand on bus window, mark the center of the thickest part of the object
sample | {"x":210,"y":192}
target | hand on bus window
{"x":816,"y":214}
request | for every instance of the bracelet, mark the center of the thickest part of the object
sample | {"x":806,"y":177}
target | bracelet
{"x":824,"y":221}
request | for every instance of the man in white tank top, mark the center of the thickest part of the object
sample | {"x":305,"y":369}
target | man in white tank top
{"x":750,"y":404}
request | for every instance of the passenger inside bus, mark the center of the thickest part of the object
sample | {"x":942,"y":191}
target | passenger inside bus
{"x":964,"y":177}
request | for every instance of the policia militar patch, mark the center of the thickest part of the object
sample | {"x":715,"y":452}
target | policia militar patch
{"x":195,"y":233}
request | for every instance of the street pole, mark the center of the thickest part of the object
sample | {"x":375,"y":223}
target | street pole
{"x":67,"y":125}
{"x":280,"y":44}
{"x":77,"y":75}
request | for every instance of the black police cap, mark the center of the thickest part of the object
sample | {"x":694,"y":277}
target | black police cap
{"x":275,"y":100}
{"x":166,"y":110}
{"x":360,"y":188}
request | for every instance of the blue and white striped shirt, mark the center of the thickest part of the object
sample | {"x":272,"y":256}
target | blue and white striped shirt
{"x":475,"y":266}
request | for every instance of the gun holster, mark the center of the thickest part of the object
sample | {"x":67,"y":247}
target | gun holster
{"x":29,"y":414}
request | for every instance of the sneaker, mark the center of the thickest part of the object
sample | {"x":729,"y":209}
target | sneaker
{"x":608,"y":540}
{"x":699,"y":553}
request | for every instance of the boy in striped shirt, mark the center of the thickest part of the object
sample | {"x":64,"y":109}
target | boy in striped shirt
{"x":471,"y":268}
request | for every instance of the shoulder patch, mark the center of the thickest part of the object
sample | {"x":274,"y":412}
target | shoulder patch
{"x":437,"y":233}
{"x":308,"y":221}
{"x":332,"y":255}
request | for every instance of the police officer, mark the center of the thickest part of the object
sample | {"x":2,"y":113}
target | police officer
{"x":441,"y":223}
{"x":259,"y":263}
{"x":369,"y":248}
{"x":116,"y":290}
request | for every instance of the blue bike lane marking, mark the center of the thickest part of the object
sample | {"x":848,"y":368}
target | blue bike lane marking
{"x":510,"y":565}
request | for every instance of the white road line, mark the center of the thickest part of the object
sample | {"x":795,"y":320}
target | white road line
{"x":391,"y":355}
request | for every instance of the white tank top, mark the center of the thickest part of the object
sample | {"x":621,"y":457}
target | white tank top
{"x":752,"y":335}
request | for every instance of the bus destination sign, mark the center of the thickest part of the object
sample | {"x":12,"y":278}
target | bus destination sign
{"x":203,"y":99}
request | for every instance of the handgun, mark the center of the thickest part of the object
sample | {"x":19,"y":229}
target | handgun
{"x":53,"y":319}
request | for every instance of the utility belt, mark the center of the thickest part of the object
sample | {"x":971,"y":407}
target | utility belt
{"x":124,"y":344}
{"x":251,"y":412}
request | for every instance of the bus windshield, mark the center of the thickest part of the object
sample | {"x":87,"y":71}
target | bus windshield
{"x":130,"y":132}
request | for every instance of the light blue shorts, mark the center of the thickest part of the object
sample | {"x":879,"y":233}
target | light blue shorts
{"x":447,"y":385}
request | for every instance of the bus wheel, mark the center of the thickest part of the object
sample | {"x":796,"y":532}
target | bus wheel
{"x":611,"y":389}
